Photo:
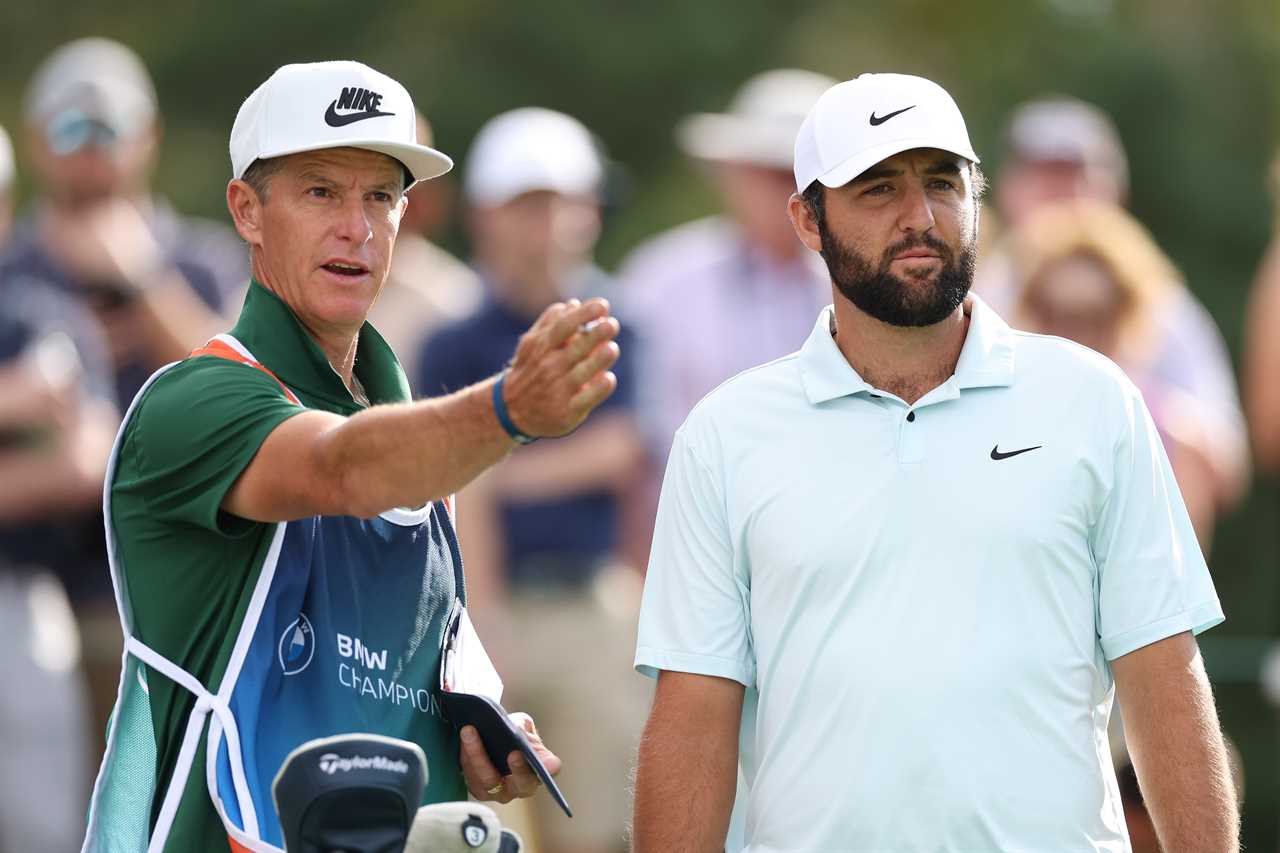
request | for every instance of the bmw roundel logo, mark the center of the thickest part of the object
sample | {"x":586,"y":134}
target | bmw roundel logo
{"x":297,"y":645}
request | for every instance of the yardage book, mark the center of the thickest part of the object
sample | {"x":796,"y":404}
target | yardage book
{"x":471,"y":694}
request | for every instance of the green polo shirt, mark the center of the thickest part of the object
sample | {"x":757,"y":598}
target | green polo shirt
{"x":189,"y":567}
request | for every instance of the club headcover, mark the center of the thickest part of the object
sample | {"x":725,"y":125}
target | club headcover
{"x":354,"y":792}
{"x":464,"y":827}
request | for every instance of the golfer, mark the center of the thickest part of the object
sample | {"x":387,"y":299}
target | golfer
{"x":901,"y":574}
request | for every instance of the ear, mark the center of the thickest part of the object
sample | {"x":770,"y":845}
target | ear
{"x":246,"y":211}
{"x":806,"y":227}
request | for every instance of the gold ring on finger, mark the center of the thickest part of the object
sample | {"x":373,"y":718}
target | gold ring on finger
{"x":495,"y":790}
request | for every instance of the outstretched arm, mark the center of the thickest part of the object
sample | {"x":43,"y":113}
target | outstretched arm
{"x":318,"y":463}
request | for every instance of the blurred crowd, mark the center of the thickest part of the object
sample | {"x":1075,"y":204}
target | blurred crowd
{"x":102,"y":282}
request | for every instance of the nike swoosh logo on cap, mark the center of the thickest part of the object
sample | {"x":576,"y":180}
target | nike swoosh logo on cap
{"x":332,"y":118}
{"x":876,"y":121}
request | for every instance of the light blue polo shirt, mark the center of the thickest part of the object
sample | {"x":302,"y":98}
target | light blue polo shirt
{"x":925,"y":598}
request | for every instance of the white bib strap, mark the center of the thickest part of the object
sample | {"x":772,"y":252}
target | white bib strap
{"x":223,"y":724}
{"x":173,"y":796}
{"x":169,"y":669}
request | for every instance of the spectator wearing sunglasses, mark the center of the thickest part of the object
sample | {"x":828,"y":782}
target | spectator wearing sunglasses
{"x":156,"y":281}
{"x":152,"y":283}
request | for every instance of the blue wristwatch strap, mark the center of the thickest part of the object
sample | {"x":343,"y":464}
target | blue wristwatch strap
{"x":504,"y":417}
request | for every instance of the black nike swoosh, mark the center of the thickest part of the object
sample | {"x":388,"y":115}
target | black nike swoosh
{"x":332,"y":118}
{"x":997,"y":455}
{"x":876,"y":121}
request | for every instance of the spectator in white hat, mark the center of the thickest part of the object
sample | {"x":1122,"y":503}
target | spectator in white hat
{"x":156,"y":280}
{"x":542,"y":529}
{"x":1060,"y":150}
{"x":279,"y":512}
{"x":936,"y":549}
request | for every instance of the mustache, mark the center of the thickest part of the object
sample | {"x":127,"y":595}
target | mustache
{"x":922,"y":241}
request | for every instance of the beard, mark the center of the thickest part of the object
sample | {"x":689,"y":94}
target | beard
{"x":911,"y":301}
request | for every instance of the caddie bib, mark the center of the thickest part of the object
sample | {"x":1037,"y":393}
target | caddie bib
{"x":343,"y":633}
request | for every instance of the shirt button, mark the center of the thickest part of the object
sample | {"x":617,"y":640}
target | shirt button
{"x":911,"y":416}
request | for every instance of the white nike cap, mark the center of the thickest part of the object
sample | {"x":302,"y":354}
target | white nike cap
{"x":858,"y":123}
{"x":316,"y":105}
{"x":530,"y":149}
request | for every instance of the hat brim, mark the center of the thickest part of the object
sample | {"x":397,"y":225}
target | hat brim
{"x":422,"y":162}
{"x":721,"y":138}
{"x":845,"y":171}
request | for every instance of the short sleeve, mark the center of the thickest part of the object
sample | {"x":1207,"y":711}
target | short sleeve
{"x":695,"y":613}
{"x":1152,"y":578}
{"x":192,"y":434}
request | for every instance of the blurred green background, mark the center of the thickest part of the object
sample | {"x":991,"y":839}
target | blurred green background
{"x":1193,"y":86}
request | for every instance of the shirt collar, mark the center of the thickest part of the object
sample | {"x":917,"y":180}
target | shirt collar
{"x":986,"y":359}
{"x":269,"y":329}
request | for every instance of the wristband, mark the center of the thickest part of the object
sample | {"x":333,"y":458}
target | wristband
{"x":504,"y":417}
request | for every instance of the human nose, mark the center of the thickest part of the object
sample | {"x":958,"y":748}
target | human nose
{"x":917,"y":211}
{"x":353,"y":222}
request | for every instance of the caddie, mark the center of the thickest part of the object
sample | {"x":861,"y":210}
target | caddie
{"x":278,"y":512}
